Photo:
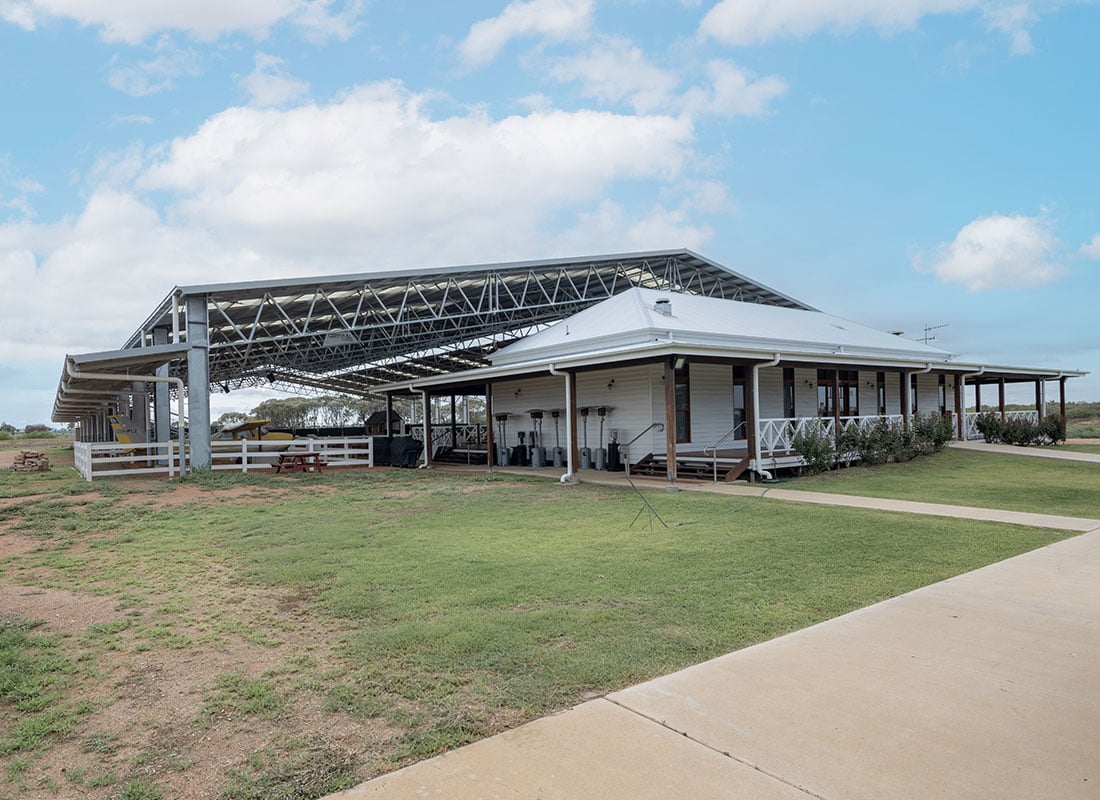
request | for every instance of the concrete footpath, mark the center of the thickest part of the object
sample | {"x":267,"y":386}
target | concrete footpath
{"x":738,"y":488}
{"x":986,"y":685}
{"x":1032,"y":452}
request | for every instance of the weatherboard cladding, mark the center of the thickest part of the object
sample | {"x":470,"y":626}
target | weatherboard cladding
{"x":631,"y":398}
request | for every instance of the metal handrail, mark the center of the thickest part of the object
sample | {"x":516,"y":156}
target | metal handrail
{"x":713,"y":448}
{"x":624,"y":448}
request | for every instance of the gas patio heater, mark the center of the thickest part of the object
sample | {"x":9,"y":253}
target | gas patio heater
{"x":558,"y":452}
{"x":502,"y":439}
{"x":601,"y":453}
{"x":585,"y":453}
{"x":538,"y":452}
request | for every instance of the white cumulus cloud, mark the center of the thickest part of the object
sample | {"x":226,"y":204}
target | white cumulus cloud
{"x":996,"y":252}
{"x":371,"y":180}
{"x":1013,"y":20}
{"x":376,"y":161}
{"x":1091,"y":248}
{"x":153,"y":75}
{"x":745,"y":22}
{"x":556,"y":20}
{"x":734,"y":91}
{"x":615,"y":70}
{"x":270,"y":83}
{"x":751,"y":22}
{"x":132,"y":21}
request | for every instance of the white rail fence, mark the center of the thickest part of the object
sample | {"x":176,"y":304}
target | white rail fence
{"x":971,"y":427}
{"x":107,"y":459}
{"x":777,"y":435}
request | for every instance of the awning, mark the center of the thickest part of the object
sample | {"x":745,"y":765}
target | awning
{"x":83,"y":389}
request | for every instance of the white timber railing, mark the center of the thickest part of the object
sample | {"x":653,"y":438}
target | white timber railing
{"x":466,"y":436}
{"x":108,"y":459}
{"x":777,"y":435}
{"x":971,"y":427}
{"x":250,"y":455}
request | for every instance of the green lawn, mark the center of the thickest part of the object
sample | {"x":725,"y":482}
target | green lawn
{"x":466,"y":603}
{"x":1081,"y":448}
{"x":987,"y":480}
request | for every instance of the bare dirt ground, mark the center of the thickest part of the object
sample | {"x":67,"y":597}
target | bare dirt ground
{"x":150,"y":671}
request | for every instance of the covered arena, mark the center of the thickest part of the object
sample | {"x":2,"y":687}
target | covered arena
{"x":148,"y":403}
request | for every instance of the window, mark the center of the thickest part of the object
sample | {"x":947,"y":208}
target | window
{"x":826,"y":393}
{"x":739,"y":403}
{"x":683,"y":405}
{"x":849,"y":392}
{"x":913,"y":393}
{"x":880,"y":393}
{"x":788,"y":392}
{"x":943,"y":395}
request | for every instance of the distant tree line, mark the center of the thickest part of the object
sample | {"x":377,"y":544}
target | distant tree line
{"x":327,"y":411}
{"x":336,"y":411}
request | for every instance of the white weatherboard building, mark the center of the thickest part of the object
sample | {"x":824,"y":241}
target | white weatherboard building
{"x":719,"y":385}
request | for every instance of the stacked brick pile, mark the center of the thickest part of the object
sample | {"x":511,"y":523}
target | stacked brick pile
{"x":31,"y":461}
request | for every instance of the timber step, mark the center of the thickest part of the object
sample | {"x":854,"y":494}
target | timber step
{"x":729,"y":469}
{"x":448,"y":455}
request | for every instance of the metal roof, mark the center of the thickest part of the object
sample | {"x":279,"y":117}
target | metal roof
{"x":351,"y":333}
{"x":629,"y":327}
{"x":633,"y":318}
{"x":83,"y":387}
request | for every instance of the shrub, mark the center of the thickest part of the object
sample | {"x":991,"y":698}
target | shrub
{"x":5,"y":436}
{"x":1022,"y":432}
{"x":815,"y":445}
{"x":990,"y":427}
{"x":932,"y":432}
{"x":1052,"y":429}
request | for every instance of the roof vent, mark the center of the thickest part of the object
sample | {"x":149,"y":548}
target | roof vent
{"x":663,"y":306}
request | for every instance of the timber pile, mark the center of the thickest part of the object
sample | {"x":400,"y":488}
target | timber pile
{"x":31,"y":461}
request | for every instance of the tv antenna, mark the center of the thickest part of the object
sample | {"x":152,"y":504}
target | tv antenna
{"x":928,"y":335}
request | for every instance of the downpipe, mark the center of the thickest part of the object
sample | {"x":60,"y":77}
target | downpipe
{"x":754,"y":465}
{"x":569,"y":476}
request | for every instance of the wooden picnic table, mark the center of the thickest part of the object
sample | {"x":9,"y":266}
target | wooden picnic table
{"x":300,"y":462}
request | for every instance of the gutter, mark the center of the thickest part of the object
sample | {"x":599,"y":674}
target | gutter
{"x":72,"y":372}
{"x":569,"y":476}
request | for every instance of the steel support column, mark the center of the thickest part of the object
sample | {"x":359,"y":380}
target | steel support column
{"x":198,"y":381}
{"x":490,"y":450}
{"x":162,"y":395}
{"x":960,"y":410}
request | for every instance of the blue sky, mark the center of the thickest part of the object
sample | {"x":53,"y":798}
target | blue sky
{"x":902,"y":164}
